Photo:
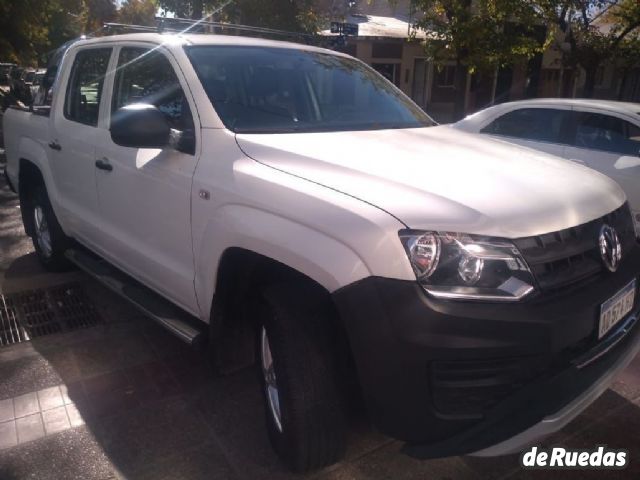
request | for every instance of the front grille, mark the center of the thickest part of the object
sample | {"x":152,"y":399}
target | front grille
{"x":566,"y":257}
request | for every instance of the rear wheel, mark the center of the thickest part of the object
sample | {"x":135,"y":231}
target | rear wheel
{"x":49,"y":240}
{"x":297,"y":354}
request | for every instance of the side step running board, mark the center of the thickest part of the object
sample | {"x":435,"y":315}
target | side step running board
{"x":171,"y":317}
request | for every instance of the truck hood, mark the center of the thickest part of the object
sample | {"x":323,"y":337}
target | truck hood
{"x":443,"y":179}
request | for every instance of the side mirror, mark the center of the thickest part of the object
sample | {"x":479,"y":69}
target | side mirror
{"x":140,"y":126}
{"x":184,"y":141}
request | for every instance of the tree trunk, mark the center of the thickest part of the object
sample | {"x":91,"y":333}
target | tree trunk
{"x":623,"y":84}
{"x":460,"y":88}
{"x":589,"y":82}
{"x":197,"y":8}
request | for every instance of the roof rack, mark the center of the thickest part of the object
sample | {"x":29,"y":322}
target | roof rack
{"x":185,"y":25}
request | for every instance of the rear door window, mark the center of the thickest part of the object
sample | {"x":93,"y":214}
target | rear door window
{"x":82,"y":103}
{"x":596,"y":131}
{"x":536,"y":124}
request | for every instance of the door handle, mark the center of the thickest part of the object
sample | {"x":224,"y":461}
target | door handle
{"x":103,"y":164}
{"x":55,"y":146}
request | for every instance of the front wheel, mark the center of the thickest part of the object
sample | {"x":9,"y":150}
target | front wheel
{"x":297,"y":354}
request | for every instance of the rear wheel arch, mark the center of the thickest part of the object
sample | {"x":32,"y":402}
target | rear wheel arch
{"x":29,"y":177}
{"x":39,"y":219}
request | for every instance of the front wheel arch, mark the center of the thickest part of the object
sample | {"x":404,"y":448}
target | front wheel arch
{"x":241,"y":275}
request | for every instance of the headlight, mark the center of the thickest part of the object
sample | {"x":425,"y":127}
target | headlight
{"x":461,"y":266}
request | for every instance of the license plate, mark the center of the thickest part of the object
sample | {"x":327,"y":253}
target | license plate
{"x":615,"y":309}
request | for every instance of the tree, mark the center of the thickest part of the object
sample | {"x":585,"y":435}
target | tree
{"x":188,"y":8}
{"x":32,"y":28}
{"x":295,"y":15}
{"x":626,"y":58}
{"x":138,"y":12}
{"x":479,"y":36}
{"x":24,"y":30}
{"x":591,"y":32}
{"x":99,"y":12}
{"x":67,"y":19}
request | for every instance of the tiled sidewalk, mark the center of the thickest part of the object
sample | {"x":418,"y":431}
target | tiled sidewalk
{"x":32,"y":415}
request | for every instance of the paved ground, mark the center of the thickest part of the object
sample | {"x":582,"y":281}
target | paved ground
{"x":127,"y":400}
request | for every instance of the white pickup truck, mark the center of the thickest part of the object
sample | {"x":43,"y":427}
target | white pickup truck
{"x":478,"y":295}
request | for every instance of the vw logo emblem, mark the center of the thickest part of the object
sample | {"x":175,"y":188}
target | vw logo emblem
{"x":610,"y":248}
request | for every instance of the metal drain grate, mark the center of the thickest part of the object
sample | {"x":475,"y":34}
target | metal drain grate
{"x":10,"y":331}
{"x":35,"y":313}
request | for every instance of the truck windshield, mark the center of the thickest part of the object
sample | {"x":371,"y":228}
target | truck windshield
{"x":277,"y":90}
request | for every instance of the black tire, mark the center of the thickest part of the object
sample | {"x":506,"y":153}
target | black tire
{"x":51,"y":258}
{"x":302,"y":344}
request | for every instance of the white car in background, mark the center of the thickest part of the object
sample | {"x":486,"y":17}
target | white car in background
{"x":604,"y":135}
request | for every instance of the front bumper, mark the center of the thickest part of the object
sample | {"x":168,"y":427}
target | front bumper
{"x":555,"y":422}
{"x":452,"y":378}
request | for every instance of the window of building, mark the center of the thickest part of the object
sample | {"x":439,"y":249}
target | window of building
{"x":537,"y":124}
{"x":446,"y":76}
{"x":82,"y":103}
{"x":388,"y":71}
{"x":386,"y":50}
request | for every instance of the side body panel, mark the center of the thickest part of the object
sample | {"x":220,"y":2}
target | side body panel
{"x":25,"y":136}
{"x":331,"y":237}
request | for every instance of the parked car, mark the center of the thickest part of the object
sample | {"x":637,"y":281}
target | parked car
{"x":36,"y":83}
{"x":19,"y":88}
{"x":478,"y":294}
{"x":602,"y":134}
{"x":5,"y":71}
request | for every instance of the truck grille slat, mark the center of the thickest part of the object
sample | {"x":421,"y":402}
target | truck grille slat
{"x":569,"y":256}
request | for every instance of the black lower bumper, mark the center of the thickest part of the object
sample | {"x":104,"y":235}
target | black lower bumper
{"x":452,"y":378}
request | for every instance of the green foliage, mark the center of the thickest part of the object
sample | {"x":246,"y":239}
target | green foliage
{"x":31,"y":28}
{"x":98,"y":13}
{"x":592,"y":32}
{"x":295,"y":15}
{"x":184,"y":8}
{"x":483,"y":34}
{"x":138,"y":12}
{"x":24,"y":30}
{"x":66,"y":21}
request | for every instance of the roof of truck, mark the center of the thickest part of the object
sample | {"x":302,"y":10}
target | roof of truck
{"x":174,"y":39}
